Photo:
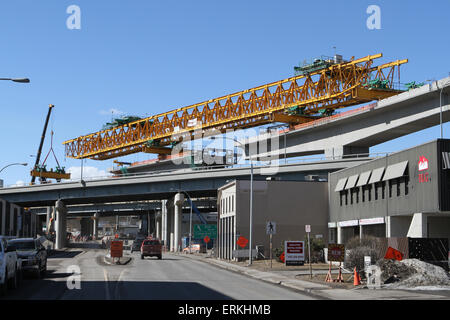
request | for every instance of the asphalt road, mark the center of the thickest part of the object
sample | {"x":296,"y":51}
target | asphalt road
{"x":173,"y":278}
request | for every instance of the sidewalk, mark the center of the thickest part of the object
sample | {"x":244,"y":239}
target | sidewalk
{"x":334,"y":291}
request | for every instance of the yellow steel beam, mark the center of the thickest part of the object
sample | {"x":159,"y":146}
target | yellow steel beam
{"x":337,"y":86}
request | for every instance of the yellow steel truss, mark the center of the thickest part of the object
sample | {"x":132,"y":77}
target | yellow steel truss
{"x":337,"y":86}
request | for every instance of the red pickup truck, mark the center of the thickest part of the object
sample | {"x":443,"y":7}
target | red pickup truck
{"x":151,"y":247}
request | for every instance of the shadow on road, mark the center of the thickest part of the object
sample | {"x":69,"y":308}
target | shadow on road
{"x":46,"y":289}
{"x":55,"y":254}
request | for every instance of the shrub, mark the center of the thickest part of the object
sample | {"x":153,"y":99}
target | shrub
{"x":358,"y":248}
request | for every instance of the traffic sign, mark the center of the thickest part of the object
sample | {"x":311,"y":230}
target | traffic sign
{"x":203,"y":230}
{"x":271,"y":227}
{"x":336,"y":252}
{"x":294,"y":252}
{"x":116,"y":249}
{"x":308,"y":228}
{"x":206,"y":239}
{"x":242,"y":242}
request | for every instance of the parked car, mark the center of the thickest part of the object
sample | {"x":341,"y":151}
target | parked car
{"x":137,"y":243}
{"x":151,"y":248}
{"x":33,"y":255}
{"x":10,"y":266}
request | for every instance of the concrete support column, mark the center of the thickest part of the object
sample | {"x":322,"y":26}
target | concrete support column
{"x":48,"y":216}
{"x":361,"y":232}
{"x":339,"y":235}
{"x":60,"y":225}
{"x":418,"y":227}
{"x":158,"y":225}
{"x":164,"y":222}
{"x":95,"y":231}
{"x":178,"y":211}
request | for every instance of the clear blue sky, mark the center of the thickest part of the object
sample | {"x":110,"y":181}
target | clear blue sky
{"x":144,"y":57}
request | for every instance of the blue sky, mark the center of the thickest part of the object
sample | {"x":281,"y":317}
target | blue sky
{"x":144,"y":57}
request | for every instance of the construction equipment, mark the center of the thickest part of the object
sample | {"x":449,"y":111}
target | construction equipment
{"x":295,"y":100}
{"x":40,"y":170}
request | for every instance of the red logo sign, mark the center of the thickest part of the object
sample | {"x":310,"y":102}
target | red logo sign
{"x":206,"y":239}
{"x":423,"y":163}
{"x":242,"y":242}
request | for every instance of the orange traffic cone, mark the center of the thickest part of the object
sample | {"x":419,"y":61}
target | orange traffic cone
{"x":356,"y":278}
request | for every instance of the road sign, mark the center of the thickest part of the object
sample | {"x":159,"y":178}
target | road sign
{"x":242,"y":242}
{"x":116,"y":249}
{"x":294,"y":253}
{"x":203,"y":230}
{"x":206,"y":239}
{"x":308,"y":228}
{"x":336,"y":252}
{"x":271,"y":227}
{"x":367,"y":263}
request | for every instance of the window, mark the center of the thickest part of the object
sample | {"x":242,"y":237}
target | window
{"x":369,"y":192}
{"x":346,"y":197}
{"x":375,"y":189}
{"x":390,"y":188}
{"x":357,"y":195}
{"x":341,"y":196}
{"x":398,"y":187}
{"x":406,"y":185}
{"x":383,"y":189}
{"x":364,"y":194}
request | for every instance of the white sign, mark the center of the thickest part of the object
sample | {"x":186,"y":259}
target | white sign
{"x":308,"y":228}
{"x":271,"y":227}
{"x":192,"y":122}
{"x":371,"y":221}
{"x":294,"y":252}
{"x":367,"y":263}
{"x":348,"y":223}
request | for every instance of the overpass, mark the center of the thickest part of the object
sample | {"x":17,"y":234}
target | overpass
{"x":167,"y":186}
{"x":355,"y":131}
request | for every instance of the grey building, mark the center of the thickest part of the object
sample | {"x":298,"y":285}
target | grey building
{"x":405,"y":194}
{"x":16,"y":222}
{"x":290,"y":204}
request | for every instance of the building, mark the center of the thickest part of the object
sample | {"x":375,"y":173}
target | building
{"x":17,"y":222}
{"x":290,"y":204}
{"x":405,"y":194}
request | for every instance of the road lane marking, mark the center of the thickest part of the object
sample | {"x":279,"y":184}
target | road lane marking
{"x":116,"y":291}
{"x":105,"y":274}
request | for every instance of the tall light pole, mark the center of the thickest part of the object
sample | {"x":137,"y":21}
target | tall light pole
{"x":250,"y":257}
{"x":20,"y":80}
{"x":13,"y":164}
{"x":440,"y":105}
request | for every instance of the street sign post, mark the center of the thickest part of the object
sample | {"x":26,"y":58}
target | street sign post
{"x":271,"y":229}
{"x":336,"y":252}
{"x":308,"y":230}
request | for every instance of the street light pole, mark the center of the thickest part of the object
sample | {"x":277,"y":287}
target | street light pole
{"x":12,"y":164}
{"x":20,"y":80}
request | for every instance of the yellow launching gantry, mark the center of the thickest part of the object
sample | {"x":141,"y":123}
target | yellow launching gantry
{"x":294,"y":100}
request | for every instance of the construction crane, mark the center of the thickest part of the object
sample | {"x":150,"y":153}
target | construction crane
{"x":316,"y":91}
{"x":40,"y":170}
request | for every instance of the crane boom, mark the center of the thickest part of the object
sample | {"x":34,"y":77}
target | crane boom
{"x":38,"y":156}
{"x":337,"y":86}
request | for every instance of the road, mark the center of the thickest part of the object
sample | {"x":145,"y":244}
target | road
{"x":173,"y":278}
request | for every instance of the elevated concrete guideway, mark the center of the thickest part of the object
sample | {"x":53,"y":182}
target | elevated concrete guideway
{"x":157,"y":186}
{"x":355,"y":131}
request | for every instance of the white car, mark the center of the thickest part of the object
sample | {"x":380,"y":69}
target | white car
{"x":10,"y":266}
